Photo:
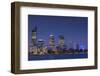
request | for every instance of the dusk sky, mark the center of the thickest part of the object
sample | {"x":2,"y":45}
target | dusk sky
{"x":74,"y":29}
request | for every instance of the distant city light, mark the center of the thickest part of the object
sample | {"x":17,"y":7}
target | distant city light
{"x":82,"y":47}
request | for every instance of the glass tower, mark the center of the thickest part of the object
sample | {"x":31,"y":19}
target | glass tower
{"x":34,"y":36}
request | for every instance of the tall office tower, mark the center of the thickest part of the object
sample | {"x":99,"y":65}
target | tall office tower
{"x":52,"y":44}
{"x":61,"y":40}
{"x":61,"y":44}
{"x":51,"y":40}
{"x":34,"y":36}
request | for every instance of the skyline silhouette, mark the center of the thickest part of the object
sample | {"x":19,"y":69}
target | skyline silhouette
{"x":74,"y":29}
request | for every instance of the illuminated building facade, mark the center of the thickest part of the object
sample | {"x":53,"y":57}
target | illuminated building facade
{"x":34,"y":36}
{"x":51,"y":41}
{"x":40,"y":48}
{"x":61,"y":40}
{"x":52,"y":44}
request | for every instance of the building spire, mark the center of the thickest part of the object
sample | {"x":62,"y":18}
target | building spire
{"x":34,"y":29}
{"x":34,"y":35}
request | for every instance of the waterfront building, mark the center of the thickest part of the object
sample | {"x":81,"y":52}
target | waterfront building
{"x":33,"y":50}
{"x":41,"y":48}
{"x":52,"y":44}
{"x":40,"y":43}
{"x":62,"y":48}
{"x":34,"y":36}
{"x":61,"y":40}
{"x":51,"y":40}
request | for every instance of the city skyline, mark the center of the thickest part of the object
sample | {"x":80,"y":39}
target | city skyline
{"x":74,"y":29}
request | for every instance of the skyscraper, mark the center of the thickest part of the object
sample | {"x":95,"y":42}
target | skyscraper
{"x":41,"y":48}
{"x":40,"y":43}
{"x":51,"y":40}
{"x":61,"y":40}
{"x":61,"y":44}
{"x":34,"y":36}
{"x":52,"y":44}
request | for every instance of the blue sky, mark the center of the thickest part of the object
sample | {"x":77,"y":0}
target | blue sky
{"x":74,"y":29}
